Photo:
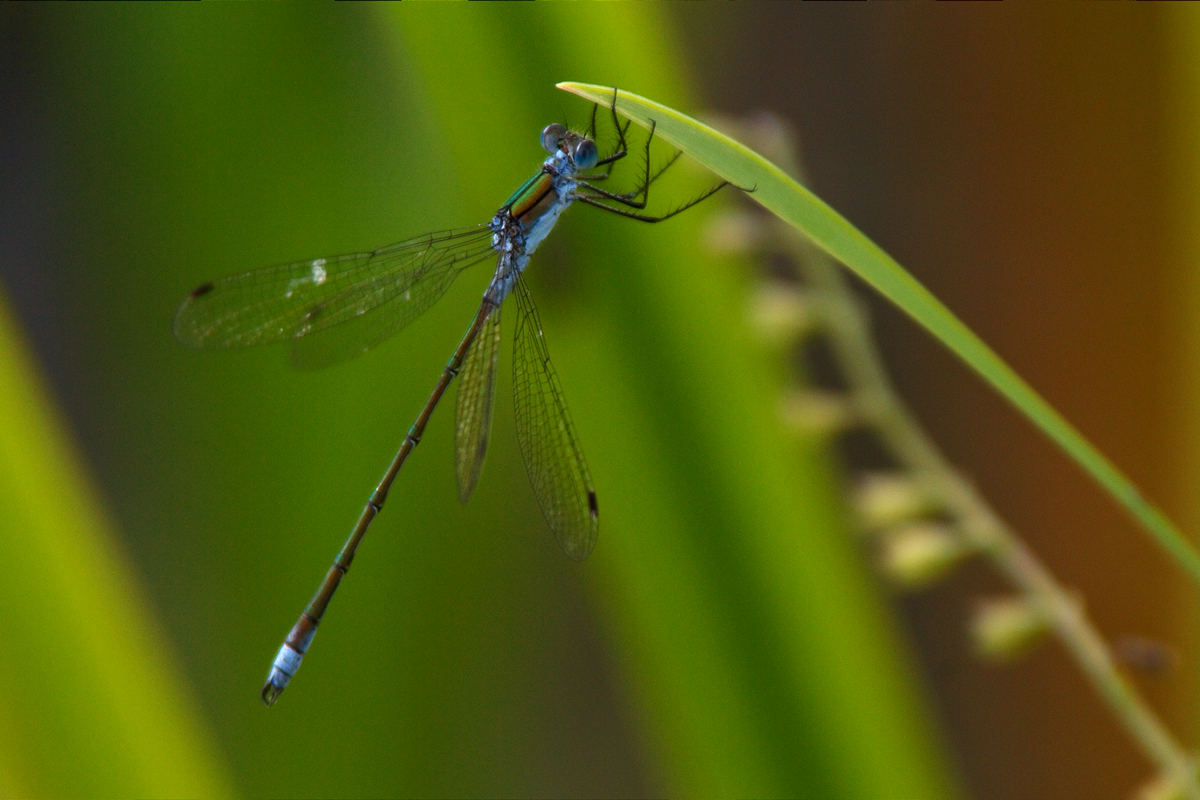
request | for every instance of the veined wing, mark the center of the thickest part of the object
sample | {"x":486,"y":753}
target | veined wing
{"x":473,"y":408}
{"x":292,"y":301}
{"x":550,"y":447}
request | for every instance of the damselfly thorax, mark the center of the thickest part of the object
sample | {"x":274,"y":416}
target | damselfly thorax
{"x":531,"y":213}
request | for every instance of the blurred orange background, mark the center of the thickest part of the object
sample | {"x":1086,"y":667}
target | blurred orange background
{"x":1024,"y":163}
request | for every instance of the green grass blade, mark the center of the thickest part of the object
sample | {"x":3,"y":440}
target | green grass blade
{"x":791,"y":202}
{"x":92,"y":705}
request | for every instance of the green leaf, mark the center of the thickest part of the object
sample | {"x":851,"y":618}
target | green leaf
{"x":93,"y":705}
{"x":791,"y":202}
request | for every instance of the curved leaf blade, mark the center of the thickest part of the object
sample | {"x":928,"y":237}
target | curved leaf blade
{"x":791,"y":202}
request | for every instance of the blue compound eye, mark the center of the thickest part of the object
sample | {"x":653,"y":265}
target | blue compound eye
{"x":551,"y":136}
{"x":586,"y":154}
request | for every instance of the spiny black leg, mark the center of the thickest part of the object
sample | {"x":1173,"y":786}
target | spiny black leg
{"x":630,"y":195}
{"x":666,"y":166}
{"x":613,"y":159}
{"x":622,"y":145}
{"x":646,"y":153}
{"x":623,"y":199}
{"x":612,"y":109}
{"x":620,"y":153}
{"x":627,"y":198}
{"x":643,"y":190}
{"x":591,"y":201}
{"x":617,"y":156}
{"x":591,"y":131}
{"x":623,"y":196}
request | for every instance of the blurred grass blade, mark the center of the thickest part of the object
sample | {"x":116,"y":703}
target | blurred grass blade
{"x":90,"y":707}
{"x":796,"y":205}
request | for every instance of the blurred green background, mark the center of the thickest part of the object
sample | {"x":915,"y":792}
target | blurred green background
{"x":168,"y":513}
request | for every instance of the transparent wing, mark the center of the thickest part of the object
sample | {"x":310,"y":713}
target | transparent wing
{"x":473,"y":408}
{"x":549,"y":445}
{"x":346,"y":330}
{"x":294,"y":301}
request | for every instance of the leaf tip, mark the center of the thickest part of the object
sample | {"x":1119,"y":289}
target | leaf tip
{"x":586,"y":90}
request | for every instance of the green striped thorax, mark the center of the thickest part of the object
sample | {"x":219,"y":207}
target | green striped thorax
{"x":531,"y":213}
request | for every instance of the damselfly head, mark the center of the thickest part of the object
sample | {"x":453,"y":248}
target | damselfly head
{"x":580,"y":149}
{"x":586,"y":155}
{"x":552,"y":136}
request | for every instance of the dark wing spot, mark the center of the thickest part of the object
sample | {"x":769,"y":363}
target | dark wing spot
{"x":201,"y":290}
{"x":595,"y":509}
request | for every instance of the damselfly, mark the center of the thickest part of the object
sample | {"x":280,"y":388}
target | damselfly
{"x":334,"y":308}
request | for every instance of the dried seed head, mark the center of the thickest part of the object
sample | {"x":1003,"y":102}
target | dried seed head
{"x":917,"y":555}
{"x":1006,"y":628}
{"x":886,"y":500}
